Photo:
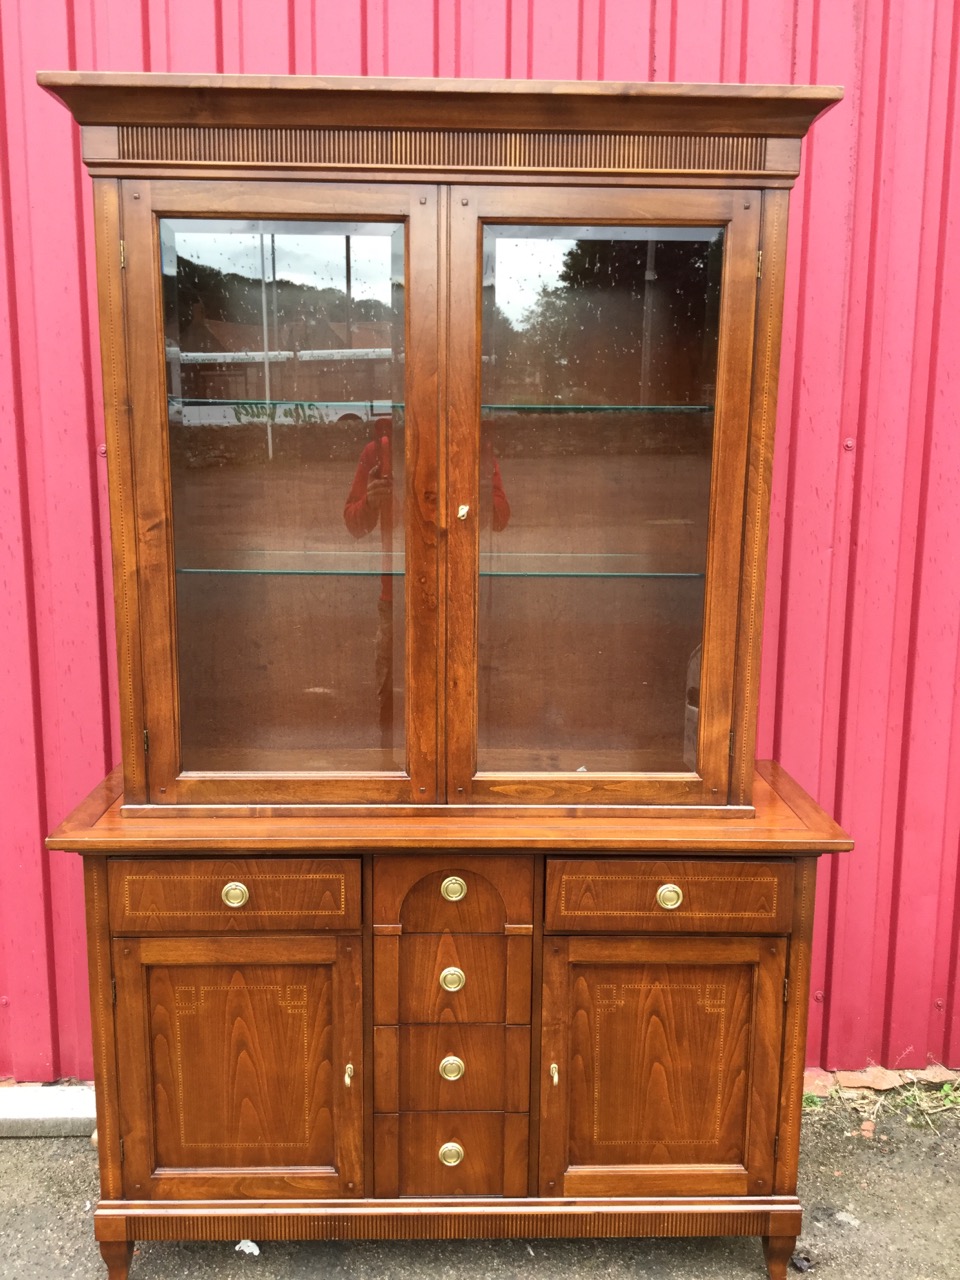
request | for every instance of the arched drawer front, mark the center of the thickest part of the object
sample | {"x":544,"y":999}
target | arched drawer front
{"x":452,"y":893}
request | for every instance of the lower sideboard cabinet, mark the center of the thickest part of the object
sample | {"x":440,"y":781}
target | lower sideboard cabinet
{"x":448,"y":1043}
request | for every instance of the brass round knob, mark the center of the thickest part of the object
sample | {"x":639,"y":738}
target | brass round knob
{"x":453,"y":889}
{"x":235,"y":894}
{"x":451,"y":1153}
{"x":669,"y":896}
{"x":452,"y":979}
{"x":452,"y":1068}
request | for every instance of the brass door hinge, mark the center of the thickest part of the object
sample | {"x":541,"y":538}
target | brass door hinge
{"x":121,"y":1150}
{"x":146,"y":742}
{"x":786,"y":990}
{"x":759,"y":263}
{"x":123,"y":256}
{"x":776,"y":1146}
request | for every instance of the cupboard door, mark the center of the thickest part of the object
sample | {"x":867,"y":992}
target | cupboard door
{"x":598,"y":441}
{"x":660,"y":1065}
{"x":242,"y":1068}
{"x":284,"y":422}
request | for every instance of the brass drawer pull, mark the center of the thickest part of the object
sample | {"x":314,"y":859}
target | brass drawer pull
{"x":453,"y":889}
{"x":452,"y":979}
{"x":451,"y":1153}
{"x":452,"y":1068}
{"x":669,"y":896}
{"x":235,"y":894}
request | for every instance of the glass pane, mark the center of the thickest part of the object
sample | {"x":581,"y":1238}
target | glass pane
{"x":284,"y":353}
{"x":598,"y":377}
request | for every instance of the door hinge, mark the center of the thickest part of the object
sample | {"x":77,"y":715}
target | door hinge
{"x":776,"y":1146}
{"x":786,"y":991}
{"x":146,"y":742}
{"x":759,"y":263}
{"x":123,"y":256}
{"x":121,"y":1150}
{"x":731,"y":744}
{"x":113,"y":991}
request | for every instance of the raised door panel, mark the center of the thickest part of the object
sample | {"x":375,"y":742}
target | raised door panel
{"x":660,"y":1065}
{"x":241,"y":1066}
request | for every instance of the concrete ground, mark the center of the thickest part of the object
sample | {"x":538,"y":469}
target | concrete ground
{"x":881,"y":1204}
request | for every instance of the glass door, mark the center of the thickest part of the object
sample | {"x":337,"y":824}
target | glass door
{"x":596,"y":484}
{"x":290,"y":423}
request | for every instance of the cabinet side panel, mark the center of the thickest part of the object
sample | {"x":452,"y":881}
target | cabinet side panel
{"x":795,"y":1035}
{"x":104,"y":1031}
{"x":763,"y":412}
{"x":116,"y":394}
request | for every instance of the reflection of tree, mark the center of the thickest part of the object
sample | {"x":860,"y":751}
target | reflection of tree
{"x":230,"y":296}
{"x":626,"y":324}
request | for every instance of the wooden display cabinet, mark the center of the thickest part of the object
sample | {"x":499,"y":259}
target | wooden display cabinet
{"x":439,"y":421}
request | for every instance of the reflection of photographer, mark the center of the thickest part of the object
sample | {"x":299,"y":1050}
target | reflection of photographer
{"x":370,"y":502}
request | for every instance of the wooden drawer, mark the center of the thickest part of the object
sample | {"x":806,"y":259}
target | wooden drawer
{"x":407,"y":1154}
{"x":449,"y":892}
{"x":601,"y":895}
{"x":185,"y":895}
{"x":494,"y":1063}
{"x":482,"y":960}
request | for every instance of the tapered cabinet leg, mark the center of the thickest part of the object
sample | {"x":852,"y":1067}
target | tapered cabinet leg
{"x":117,"y":1254}
{"x":778,"y":1250}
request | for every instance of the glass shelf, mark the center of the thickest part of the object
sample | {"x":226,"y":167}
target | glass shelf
{"x":597,"y":408}
{"x":379,"y":564}
{"x":376,"y":408}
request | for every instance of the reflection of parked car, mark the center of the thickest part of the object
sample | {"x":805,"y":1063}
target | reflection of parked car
{"x":330,"y":385}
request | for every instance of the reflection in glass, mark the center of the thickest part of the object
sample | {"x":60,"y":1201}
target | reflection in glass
{"x":598,"y":383}
{"x":284,"y":355}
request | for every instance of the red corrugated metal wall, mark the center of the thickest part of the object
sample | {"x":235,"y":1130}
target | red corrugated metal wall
{"x":861,"y":649}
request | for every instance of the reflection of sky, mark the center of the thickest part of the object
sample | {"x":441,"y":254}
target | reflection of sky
{"x":523,"y":268}
{"x":530,"y":258}
{"x":317,"y":260}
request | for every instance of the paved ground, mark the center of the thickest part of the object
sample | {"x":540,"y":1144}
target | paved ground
{"x":885,"y":1207}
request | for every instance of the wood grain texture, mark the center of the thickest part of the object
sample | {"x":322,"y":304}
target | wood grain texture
{"x":483,"y":961}
{"x":446,"y":150}
{"x":250,"y":100}
{"x":473,"y":1219}
{"x":494,"y":1153}
{"x":180,"y":896}
{"x":499,"y":891}
{"x":103,"y":1025}
{"x":236,"y":1053}
{"x":598,"y":896}
{"x":781,"y":825}
{"x":777,"y":1252}
{"x":624,"y":1009}
{"x":890,"y":321}
{"x":117,"y":1254}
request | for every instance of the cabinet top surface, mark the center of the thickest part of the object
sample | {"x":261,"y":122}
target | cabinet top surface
{"x":787,"y":820}
{"x":146,"y":97}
